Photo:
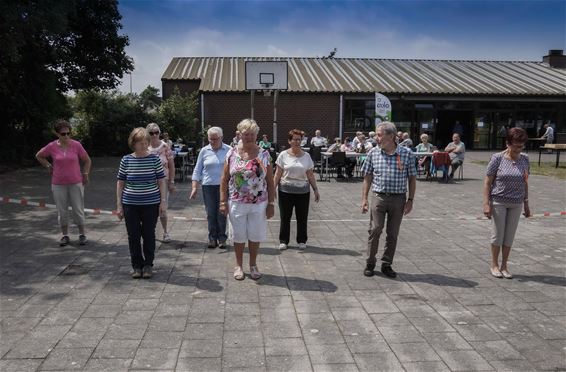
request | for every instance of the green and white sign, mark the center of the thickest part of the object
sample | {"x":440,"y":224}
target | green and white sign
{"x":382,"y":108}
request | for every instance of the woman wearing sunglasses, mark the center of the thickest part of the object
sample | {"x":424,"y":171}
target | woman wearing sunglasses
{"x":67,"y":180}
{"x":166,"y":155}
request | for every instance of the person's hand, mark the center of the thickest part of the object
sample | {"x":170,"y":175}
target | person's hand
{"x":365,"y":206}
{"x":223,"y":209}
{"x":171,"y":187}
{"x":487,"y":210}
{"x":527,"y":213}
{"x":408,"y":207}
{"x":120,"y":213}
{"x":316,"y":196}
{"x":85,"y":179}
{"x":270,"y":211}
{"x":193,"y":193}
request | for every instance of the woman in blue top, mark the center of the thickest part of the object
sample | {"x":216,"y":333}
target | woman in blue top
{"x":505,"y":195}
{"x":208,"y":172}
{"x":140,"y":199}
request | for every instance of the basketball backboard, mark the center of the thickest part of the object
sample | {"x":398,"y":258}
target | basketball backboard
{"x":266,"y":75}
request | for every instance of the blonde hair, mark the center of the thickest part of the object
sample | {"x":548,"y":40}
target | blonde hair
{"x":136,"y":135}
{"x":152,"y":126}
{"x":247,"y":125}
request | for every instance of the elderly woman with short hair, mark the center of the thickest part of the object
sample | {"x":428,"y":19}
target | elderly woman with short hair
{"x":140,"y":191}
{"x":247,"y":195}
{"x":208,"y":172}
{"x":424,"y":146}
{"x":162,"y":150}
{"x":67,"y":181}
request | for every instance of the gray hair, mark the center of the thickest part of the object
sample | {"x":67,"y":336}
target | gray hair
{"x":152,"y":126}
{"x":215,"y":130}
{"x":247,"y":125}
{"x":371,"y":134}
{"x":424,"y":136}
{"x":388,"y":128}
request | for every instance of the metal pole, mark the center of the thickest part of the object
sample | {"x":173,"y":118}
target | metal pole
{"x":275,"y":95}
{"x":252,"y":103}
{"x":340,"y":121}
{"x":202,"y":118}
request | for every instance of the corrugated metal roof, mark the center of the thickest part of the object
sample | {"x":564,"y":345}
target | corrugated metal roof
{"x":360,"y":75}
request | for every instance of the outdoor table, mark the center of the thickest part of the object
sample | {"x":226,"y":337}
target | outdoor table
{"x":349,"y":154}
{"x":558,"y":147}
{"x":533,"y":143}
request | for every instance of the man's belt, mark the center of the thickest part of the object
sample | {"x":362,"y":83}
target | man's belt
{"x":389,"y":193}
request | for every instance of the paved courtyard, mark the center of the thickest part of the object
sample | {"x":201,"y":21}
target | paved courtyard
{"x":76,"y":308}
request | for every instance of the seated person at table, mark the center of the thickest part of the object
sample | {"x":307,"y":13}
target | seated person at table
{"x":363,"y":146}
{"x":318,"y":140}
{"x":356,"y":139}
{"x":336,"y":145}
{"x":424,"y":146}
{"x":265,"y":143}
{"x":304,"y":141}
{"x":456,"y":150}
{"x":350,"y":162}
{"x":371,"y":139}
{"x":407,"y":141}
{"x":399,"y":137}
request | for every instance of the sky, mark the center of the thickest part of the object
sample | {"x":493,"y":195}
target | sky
{"x":159,"y":30}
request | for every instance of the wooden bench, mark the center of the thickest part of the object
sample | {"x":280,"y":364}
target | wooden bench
{"x":556,"y":147}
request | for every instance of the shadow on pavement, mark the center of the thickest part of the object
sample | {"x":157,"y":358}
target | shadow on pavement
{"x":295,"y":283}
{"x":437,"y":279}
{"x":546,"y":279}
{"x":312,"y":249}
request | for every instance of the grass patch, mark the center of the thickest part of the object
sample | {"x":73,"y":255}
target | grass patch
{"x":545,"y":169}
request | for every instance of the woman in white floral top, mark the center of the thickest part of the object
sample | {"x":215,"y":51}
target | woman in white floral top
{"x":247,"y":195}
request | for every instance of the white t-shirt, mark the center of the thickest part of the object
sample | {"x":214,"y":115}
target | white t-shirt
{"x":294,"y":178}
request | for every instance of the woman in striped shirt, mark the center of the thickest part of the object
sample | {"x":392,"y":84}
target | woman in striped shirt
{"x":140,"y":198}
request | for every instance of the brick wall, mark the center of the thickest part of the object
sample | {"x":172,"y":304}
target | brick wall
{"x":307,"y":112}
{"x":185,"y":86}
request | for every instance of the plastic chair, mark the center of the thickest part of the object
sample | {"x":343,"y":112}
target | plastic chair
{"x":337,"y":161}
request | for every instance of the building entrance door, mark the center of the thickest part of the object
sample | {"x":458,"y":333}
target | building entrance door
{"x":450,"y":121}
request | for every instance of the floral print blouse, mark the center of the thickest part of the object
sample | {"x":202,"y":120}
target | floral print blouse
{"x":247,"y":177}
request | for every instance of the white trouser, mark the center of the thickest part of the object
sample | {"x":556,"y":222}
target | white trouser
{"x":69,"y":196}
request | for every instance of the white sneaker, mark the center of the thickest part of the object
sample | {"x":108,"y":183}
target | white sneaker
{"x":302,"y":246}
{"x":166,"y":238}
{"x":282,"y":246}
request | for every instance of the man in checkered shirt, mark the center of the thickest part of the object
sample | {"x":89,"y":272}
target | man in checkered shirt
{"x":386,"y":171}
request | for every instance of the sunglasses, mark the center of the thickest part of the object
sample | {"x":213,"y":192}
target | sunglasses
{"x":64,"y":134}
{"x":153,"y":133}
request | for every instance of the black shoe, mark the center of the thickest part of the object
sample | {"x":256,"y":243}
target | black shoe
{"x":147,"y":272}
{"x":388,"y":271}
{"x":137,"y":274}
{"x":451,"y":175}
{"x":222,"y":244}
{"x":368,"y":271}
{"x":64,"y":241}
{"x":212,"y":244}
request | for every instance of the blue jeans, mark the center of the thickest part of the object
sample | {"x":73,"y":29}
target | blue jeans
{"x":216,"y":221}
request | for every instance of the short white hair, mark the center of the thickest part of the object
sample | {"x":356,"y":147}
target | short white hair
{"x":371,"y":134}
{"x":215,"y":130}
{"x":387,"y":127}
{"x":152,"y":127}
{"x":424,"y":136}
{"x":247,"y":125}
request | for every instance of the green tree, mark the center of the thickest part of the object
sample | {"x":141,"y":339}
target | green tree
{"x":149,"y":99}
{"x":50,"y":47}
{"x":178,"y":115}
{"x":105,"y":120}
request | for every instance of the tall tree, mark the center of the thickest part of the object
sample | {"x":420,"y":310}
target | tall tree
{"x":50,"y":47}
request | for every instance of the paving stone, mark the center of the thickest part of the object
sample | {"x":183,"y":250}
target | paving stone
{"x":464,"y":360}
{"x":81,"y":339}
{"x":285,"y":346}
{"x":243,"y":357}
{"x":329,"y":354}
{"x":400,"y":334}
{"x":65,"y":359}
{"x":477,"y":332}
{"x":281,"y":329}
{"x":116,"y":349}
{"x":383,"y":360}
{"x":199,"y":364}
{"x":436,"y":366}
{"x":240,"y":339}
{"x":414,"y":352}
{"x":108,"y":365}
{"x":201,"y":349}
{"x":288,"y":363}
{"x":496,"y":350}
{"x":20,"y":365}
{"x":204,"y":331}
{"x":335,"y":368}
{"x":447,"y":341}
{"x":155,"y":358}
{"x":163,"y":340}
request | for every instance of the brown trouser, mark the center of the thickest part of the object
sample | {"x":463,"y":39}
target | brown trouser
{"x":382,"y":206}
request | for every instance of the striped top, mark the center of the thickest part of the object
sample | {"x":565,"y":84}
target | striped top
{"x":141,"y":176}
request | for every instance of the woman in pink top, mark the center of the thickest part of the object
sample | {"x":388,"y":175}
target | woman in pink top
{"x":67,"y":180}
{"x":247,"y":194}
{"x":163,"y":151}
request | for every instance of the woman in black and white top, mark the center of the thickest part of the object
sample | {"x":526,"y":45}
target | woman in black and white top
{"x":294,"y":177}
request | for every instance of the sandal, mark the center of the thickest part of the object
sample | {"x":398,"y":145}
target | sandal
{"x":506,"y":274}
{"x":496,"y":273}
{"x":254,"y":273}
{"x":239,"y":273}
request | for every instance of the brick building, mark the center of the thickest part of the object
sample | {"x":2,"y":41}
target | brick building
{"x":337,"y":95}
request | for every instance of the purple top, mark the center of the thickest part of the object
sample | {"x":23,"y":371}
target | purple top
{"x":510,"y":180}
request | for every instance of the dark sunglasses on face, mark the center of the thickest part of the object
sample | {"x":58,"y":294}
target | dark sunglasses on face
{"x":153,"y":133}
{"x":64,"y":134}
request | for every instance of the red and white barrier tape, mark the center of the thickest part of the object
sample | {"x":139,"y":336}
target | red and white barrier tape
{"x":98,"y":211}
